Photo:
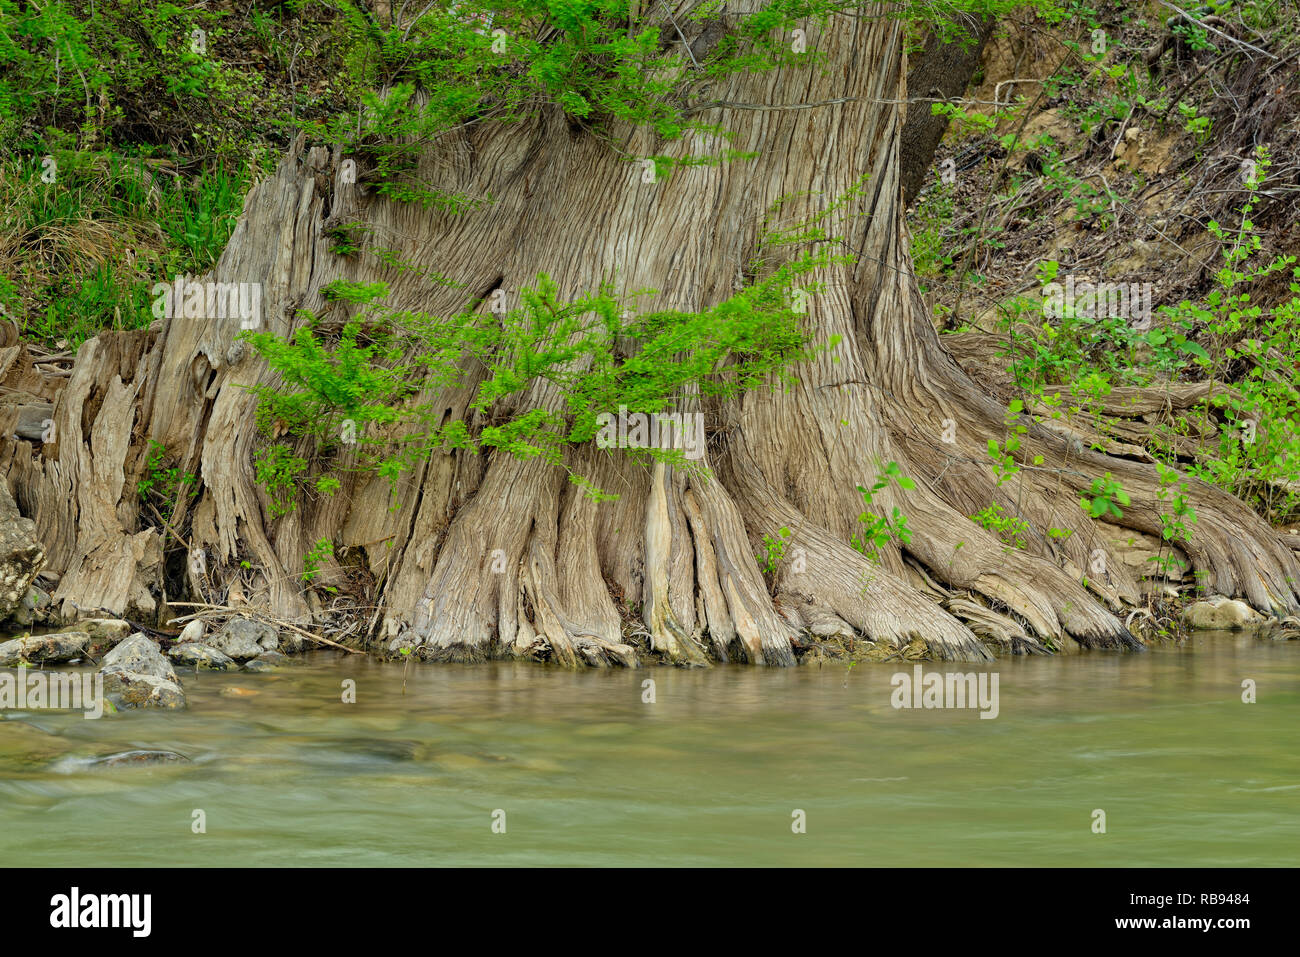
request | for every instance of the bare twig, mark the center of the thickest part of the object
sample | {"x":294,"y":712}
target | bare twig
{"x":278,"y":622}
{"x":1226,"y":36}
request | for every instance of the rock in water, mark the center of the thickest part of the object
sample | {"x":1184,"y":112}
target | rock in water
{"x":136,"y":675}
{"x":268,"y":661}
{"x":32,"y":608}
{"x":201,"y":656}
{"x":110,"y":630}
{"x":21,"y":554}
{"x":138,"y":655}
{"x":62,"y":646}
{"x":242,"y":638}
{"x":1221,"y":614}
{"x":127,"y":690}
{"x":134,"y":758}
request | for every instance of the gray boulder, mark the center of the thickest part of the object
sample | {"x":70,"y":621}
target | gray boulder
{"x":109,"y":631}
{"x":268,"y":661}
{"x":242,"y":638}
{"x":136,"y":675}
{"x":129,"y":690}
{"x":1218,"y":613}
{"x":136,"y":758}
{"x":32,"y":609}
{"x":54,"y":648}
{"x":201,"y":657}
{"x":138,"y":655}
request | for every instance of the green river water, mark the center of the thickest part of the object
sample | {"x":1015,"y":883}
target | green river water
{"x":711,"y":773}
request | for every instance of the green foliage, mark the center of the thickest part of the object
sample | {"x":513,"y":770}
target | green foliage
{"x":773,"y":550}
{"x":1177,"y":518}
{"x":162,"y":483}
{"x":278,"y":469}
{"x":132,"y":141}
{"x":1194,"y":35}
{"x":964,"y":122}
{"x":1197,"y":125}
{"x":1258,"y":454}
{"x":1092,"y":352}
{"x":103,"y":69}
{"x":450,"y":67}
{"x":357,"y":378}
{"x":1009,"y":528}
{"x":934,"y":211}
{"x":358,"y":293}
{"x":321,"y":553}
{"x":1105,"y":498}
{"x":474,"y":62}
{"x":85,"y":250}
{"x":334,"y":388}
{"x":1089,"y":201}
{"x":347,"y":238}
{"x":1003,"y":453}
{"x":877,"y":531}
{"x":212,"y":93}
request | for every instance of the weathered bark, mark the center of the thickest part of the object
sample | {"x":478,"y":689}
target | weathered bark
{"x":21,"y":555}
{"x":942,"y":72}
{"x":489,"y":555}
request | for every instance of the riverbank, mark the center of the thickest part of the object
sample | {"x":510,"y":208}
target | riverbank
{"x":142,"y":666}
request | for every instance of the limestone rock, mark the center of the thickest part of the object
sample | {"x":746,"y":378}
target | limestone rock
{"x":137,"y":758}
{"x":110,"y":630}
{"x":1221,"y":614}
{"x":130,"y":690}
{"x":242,"y":638}
{"x":61,"y":646}
{"x":201,"y":657}
{"x":138,"y":655}
{"x":268,"y":661}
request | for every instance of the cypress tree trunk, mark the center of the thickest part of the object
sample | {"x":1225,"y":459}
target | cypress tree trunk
{"x":487,"y":554}
{"x":942,"y":72}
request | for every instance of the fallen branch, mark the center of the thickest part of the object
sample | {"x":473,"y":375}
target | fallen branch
{"x":278,"y":622}
{"x":1205,"y":26}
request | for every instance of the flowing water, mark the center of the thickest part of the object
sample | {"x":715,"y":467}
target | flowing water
{"x":712,"y":772}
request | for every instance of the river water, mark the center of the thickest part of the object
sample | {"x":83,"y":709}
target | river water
{"x":582,"y":770}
